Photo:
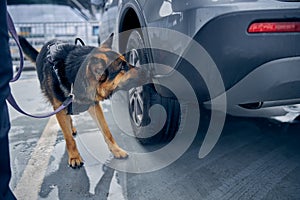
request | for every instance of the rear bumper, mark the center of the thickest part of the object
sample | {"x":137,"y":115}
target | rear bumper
{"x":275,"y":84}
{"x":276,"y":80}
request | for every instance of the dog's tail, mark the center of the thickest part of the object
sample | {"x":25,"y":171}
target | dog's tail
{"x":30,"y":52}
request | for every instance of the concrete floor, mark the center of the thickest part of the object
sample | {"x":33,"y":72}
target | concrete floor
{"x":254,"y":159}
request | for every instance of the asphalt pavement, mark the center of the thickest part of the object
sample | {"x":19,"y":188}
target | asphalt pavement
{"x":255,"y":158}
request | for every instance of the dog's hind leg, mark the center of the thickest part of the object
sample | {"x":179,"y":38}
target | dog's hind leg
{"x":64,"y":121}
{"x":97,"y":114}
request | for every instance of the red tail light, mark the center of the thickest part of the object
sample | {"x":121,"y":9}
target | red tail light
{"x":274,"y":27}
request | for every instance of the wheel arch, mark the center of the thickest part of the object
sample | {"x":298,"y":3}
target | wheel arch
{"x":129,"y":19}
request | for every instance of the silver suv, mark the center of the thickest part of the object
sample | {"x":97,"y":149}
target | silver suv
{"x":255,"y":45}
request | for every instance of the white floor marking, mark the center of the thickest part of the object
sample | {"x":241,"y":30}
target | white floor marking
{"x":30,"y":183}
{"x":115,"y":189}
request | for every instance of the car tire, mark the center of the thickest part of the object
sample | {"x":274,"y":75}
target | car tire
{"x":149,"y":130}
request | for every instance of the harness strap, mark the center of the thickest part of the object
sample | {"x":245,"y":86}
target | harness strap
{"x":53,"y":50}
{"x":10,"y":98}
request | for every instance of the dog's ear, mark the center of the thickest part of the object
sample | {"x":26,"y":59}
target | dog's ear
{"x":97,"y":69}
{"x":99,"y":74}
{"x":108,"y":42}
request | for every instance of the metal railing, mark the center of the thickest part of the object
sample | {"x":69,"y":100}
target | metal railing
{"x":40,"y":33}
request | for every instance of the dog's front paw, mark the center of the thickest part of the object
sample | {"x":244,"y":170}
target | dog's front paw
{"x":119,"y":153}
{"x":75,"y":162}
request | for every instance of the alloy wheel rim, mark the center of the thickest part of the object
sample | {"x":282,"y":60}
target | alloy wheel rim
{"x":136,"y":102}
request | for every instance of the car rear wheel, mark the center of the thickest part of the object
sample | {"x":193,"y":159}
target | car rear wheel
{"x":153,"y":127}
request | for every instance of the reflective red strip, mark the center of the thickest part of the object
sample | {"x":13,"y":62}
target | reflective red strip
{"x":273,"y":27}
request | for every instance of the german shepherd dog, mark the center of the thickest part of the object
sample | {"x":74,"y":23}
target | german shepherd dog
{"x":100,"y":70}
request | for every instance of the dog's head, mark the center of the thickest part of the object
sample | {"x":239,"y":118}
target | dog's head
{"x":110,"y":71}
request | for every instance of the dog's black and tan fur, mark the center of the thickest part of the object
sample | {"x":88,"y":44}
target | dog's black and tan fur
{"x":98,"y":72}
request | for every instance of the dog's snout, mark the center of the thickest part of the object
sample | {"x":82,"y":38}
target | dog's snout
{"x":141,"y":75}
{"x":135,"y":77}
